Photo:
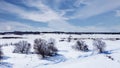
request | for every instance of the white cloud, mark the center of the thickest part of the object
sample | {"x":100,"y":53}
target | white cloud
{"x":55,"y":20}
{"x":53,"y":26}
{"x":65,"y":26}
{"x":96,"y":7}
{"x":44,"y":14}
{"x":117,"y":12}
{"x":79,"y":2}
{"x":14,"y":26}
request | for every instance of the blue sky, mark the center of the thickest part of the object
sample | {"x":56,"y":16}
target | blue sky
{"x":60,"y":15}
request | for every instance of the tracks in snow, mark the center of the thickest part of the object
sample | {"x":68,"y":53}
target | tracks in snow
{"x":5,"y":65}
{"x":56,"y":59}
{"x":53,"y":60}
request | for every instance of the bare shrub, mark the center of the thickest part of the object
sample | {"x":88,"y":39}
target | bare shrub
{"x":1,"y":53}
{"x":22,"y":47}
{"x":81,"y":46}
{"x":51,"y":46}
{"x":52,"y":41}
{"x":69,"y":38}
{"x":43,"y":48}
{"x":40,"y":46}
{"x":99,"y":45}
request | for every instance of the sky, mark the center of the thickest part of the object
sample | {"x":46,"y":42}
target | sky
{"x":60,"y":15}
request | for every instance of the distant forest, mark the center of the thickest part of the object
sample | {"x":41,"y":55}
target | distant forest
{"x":55,"y":32}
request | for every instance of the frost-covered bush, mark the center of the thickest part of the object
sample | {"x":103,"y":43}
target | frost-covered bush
{"x":22,"y":47}
{"x":81,"y":46}
{"x":44,"y":48}
{"x":51,"y":46}
{"x":99,"y":45}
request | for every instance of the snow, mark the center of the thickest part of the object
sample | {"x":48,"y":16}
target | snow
{"x":67,"y":57}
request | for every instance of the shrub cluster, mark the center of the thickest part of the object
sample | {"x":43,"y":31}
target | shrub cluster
{"x":22,"y":47}
{"x":81,"y":46}
{"x":99,"y":45}
{"x":45,"y":48}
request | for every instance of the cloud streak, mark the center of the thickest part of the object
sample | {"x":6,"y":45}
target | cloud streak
{"x":56,"y":19}
{"x":15,"y":26}
{"x":96,"y":7}
{"x":118,"y":13}
{"x":53,"y":26}
{"x":44,"y":14}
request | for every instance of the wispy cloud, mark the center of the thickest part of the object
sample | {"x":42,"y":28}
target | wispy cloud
{"x":117,"y":12}
{"x":53,"y":26}
{"x":57,"y":19}
{"x":15,"y":26}
{"x":44,"y":14}
{"x":7,"y":7}
{"x":96,"y":7}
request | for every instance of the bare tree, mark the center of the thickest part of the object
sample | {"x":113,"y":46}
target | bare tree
{"x":99,"y":45}
{"x":22,"y":47}
{"x":81,"y":46}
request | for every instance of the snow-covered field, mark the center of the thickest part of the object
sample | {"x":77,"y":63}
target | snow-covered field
{"x":67,"y":58}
